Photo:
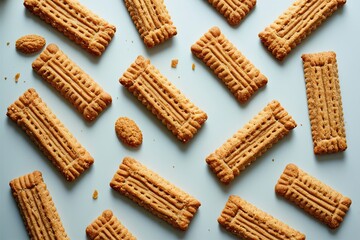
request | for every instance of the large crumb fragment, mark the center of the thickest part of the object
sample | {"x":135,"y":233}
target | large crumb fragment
{"x":30,"y":43}
{"x":128,"y":132}
{"x":193,"y":66}
{"x":17,"y":76}
{"x":174,"y":63}
{"x":95,"y":194}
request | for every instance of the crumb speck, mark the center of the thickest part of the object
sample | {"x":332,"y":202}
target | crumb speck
{"x":95,"y":194}
{"x":273,"y":160}
{"x":174,"y":63}
{"x":173,"y":166}
{"x":17,"y":76}
{"x":8,"y":43}
{"x":5,"y":78}
{"x":193,"y":66}
{"x":208,"y":229}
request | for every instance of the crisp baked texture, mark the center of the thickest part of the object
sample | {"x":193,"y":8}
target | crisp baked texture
{"x":248,"y":222}
{"x":324,"y":102}
{"x":312,"y":195}
{"x":233,"y":10}
{"x":154,"y":193}
{"x":31,"y":43}
{"x":128,"y":132}
{"x":239,"y":75}
{"x":256,"y":137}
{"x":72,"y":82}
{"x":163,"y":99}
{"x":295,"y":24}
{"x":152,"y":20}
{"x":108,"y":227}
{"x":37,"y":208}
{"x":50,"y":135}
{"x":76,"y":22}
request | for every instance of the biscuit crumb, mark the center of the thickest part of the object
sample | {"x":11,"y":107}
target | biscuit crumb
{"x":17,"y":76}
{"x":128,"y":132}
{"x":5,"y":78}
{"x":193,"y":66}
{"x":174,"y":63}
{"x":30,"y":43}
{"x":95,"y":194}
{"x":8,"y":43}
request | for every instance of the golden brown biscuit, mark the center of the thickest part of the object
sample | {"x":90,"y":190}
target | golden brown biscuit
{"x":324,"y":102}
{"x":75,"y":21}
{"x":30,"y":43}
{"x":154,"y":193}
{"x":248,"y":222}
{"x":50,"y":135}
{"x":128,"y":132}
{"x":295,"y":24}
{"x":163,"y":99}
{"x":239,"y":75}
{"x":108,"y":227}
{"x":37,"y":208}
{"x":250,"y":142}
{"x":152,"y":20}
{"x":315,"y":197}
{"x":233,"y":10}
{"x":72,"y":82}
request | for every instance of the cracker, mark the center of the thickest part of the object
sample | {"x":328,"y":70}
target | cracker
{"x":76,"y":22}
{"x":50,"y":135}
{"x":239,"y":75}
{"x":128,"y":132}
{"x":324,"y":102}
{"x":312,"y":195}
{"x":163,"y":99}
{"x":154,"y":193}
{"x":233,"y":10}
{"x":295,"y":24}
{"x":71,"y":82}
{"x":37,"y":208}
{"x":250,"y":142}
{"x":248,"y":222}
{"x":107,"y":226}
{"x":152,"y":20}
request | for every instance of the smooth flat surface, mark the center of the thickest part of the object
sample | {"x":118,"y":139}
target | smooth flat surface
{"x":183,"y":165}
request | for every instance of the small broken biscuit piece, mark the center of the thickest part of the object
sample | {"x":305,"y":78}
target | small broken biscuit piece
{"x":30,"y":43}
{"x":248,"y":222}
{"x":313,"y":196}
{"x":128,"y":132}
{"x":95,"y":194}
{"x":174,"y":63}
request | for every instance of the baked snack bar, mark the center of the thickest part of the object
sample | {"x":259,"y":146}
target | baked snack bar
{"x":108,"y":227}
{"x":250,"y":142}
{"x":50,"y":135}
{"x":233,"y":10}
{"x":163,"y":99}
{"x":37,"y":208}
{"x":71,"y":82}
{"x":312,"y":195}
{"x":239,"y":75}
{"x":154,"y":193}
{"x":76,"y":22}
{"x":152,"y":20}
{"x":295,"y":24}
{"x":248,"y":222}
{"x":324,"y":102}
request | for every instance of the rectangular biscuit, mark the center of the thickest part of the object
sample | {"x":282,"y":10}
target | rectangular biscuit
{"x":248,"y":222}
{"x":163,"y":99}
{"x":37,"y":208}
{"x":250,"y":142}
{"x":154,"y":193}
{"x":324,"y":102}
{"x":295,"y":24}
{"x":312,"y":195}
{"x":50,"y":135}
{"x":233,"y":10}
{"x":76,"y":22}
{"x":239,"y":75}
{"x":152,"y":20}
{"x":71,"y":82}
{"x":107,"y":226}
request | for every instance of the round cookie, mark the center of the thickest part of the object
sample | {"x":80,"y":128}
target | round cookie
{"x":128,"y":132}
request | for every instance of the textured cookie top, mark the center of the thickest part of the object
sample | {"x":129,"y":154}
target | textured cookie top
{"x":30,"y":43}
{"x":128,"y":132}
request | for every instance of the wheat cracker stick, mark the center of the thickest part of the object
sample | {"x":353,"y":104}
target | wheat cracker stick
{"x":37,"y":208}
{"x":71,"y":82}
{"x":256,"y":137}
{"x":154,"y":193}
{"x":295,"y":24}
{"x":152,"y":20}
{"x":324,"y":102}
{"x":76,"y":22}
{"x":239,"y":75}
{"x":108,"y":227}
{"x":163,"y":99}
{"x":50,"y":135}
{"x":248,"y":222}
{"x":233,"y":10}
{"x":312,"y":195}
